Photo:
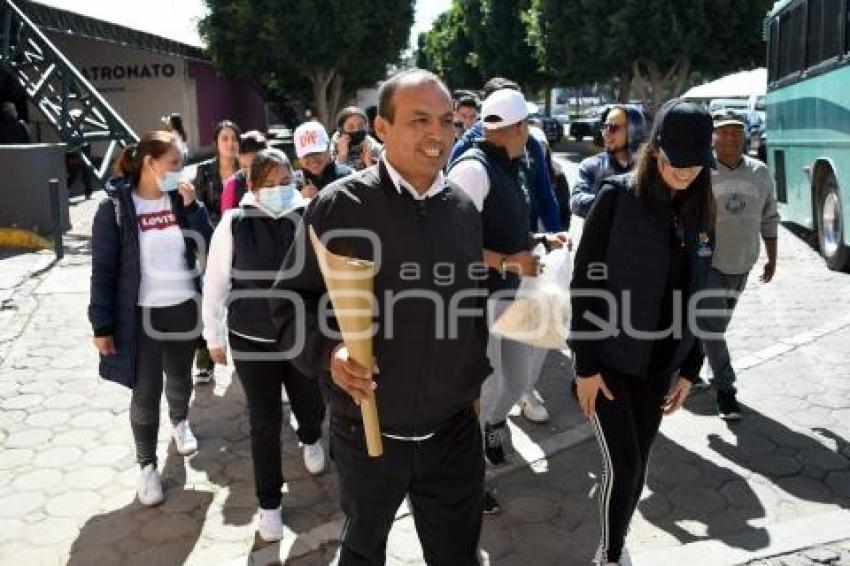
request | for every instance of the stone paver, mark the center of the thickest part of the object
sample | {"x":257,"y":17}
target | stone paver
{"x":837,"y":554}
{"x":67,"y":476}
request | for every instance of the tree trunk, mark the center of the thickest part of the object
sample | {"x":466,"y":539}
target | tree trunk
{"x":654,"y":87}
{"x":320,"y":81}
{"x":335,"y":101}
{"x":548,"y":100}
{"x":624,"y":87}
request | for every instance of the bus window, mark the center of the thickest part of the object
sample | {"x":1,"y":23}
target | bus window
{"x":791,"y":50}
{"x":823,"y":36}
{"x":813,"y":36}
{"x":773,"y":56}
{"x":832,"y":28}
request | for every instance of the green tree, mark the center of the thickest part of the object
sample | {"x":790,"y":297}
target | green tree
{"x":446,"y":49}
{"x":478,"y":39}
{"x":500,"y":38}
{"x":652,"y":46}
{"x":319,"y":50}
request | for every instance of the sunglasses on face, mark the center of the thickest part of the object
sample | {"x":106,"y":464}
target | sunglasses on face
{"x":612,"y":128}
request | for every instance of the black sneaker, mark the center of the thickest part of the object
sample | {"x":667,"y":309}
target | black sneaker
{"x":728,"y":405}
{"x":491,"y":506}
{"x":493,"y":435}
{"x":700,"y":386}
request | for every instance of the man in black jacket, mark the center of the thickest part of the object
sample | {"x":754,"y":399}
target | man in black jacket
{"x":313,"y":149}
{"x":431,"y":333}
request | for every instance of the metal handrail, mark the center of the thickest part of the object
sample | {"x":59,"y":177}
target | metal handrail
{"x":69,"y":102}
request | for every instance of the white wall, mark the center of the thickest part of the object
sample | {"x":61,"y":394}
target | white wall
{"x":142,"y":86}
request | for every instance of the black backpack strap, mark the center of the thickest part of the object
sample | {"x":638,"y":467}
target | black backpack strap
{"x":473,"y":154}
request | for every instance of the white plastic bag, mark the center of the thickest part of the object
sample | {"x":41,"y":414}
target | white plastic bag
{"x":540,"y":314}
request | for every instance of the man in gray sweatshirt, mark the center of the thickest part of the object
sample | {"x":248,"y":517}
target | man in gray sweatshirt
{"x":746,"y":209}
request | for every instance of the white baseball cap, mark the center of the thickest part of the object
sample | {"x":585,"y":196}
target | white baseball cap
{"x":504,"y":107}
{"x":310,"y":137}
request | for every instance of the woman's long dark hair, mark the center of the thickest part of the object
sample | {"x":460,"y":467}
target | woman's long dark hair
{"x":694,"y":204}
{"x":218,"y":128}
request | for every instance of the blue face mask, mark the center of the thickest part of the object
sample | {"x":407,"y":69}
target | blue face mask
{"x":170,"y":181}
{"x":278,"y":199}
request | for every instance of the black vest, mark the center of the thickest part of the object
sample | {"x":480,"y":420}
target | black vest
{"x":506,"y":216}
{"x":638,"y":257}
{"x":260,"y":244}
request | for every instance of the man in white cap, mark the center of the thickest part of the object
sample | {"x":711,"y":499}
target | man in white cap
{"x":746,"y":209}
{"x":312,"y":146}
{"x":493,"y":174}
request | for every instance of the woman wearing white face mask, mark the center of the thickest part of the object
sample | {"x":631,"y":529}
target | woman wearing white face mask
{"x":247,"y":250}
{"x":145,"y":288}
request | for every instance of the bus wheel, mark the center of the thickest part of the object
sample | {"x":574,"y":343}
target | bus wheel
{"x":831,"y":226}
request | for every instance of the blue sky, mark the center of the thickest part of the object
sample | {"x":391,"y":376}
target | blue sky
{"x":177,"y":19}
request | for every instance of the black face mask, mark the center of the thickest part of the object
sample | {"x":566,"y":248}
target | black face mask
{"x":356,"y":138}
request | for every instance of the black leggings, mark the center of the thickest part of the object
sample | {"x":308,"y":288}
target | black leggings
{"x":262,"y":380}
{"x":625,"y":429}
{"x":165,"y":341}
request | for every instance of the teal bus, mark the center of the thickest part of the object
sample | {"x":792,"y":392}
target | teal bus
{"x":808,"y":119}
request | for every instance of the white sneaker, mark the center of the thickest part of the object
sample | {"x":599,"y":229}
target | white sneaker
{"x":270,"y":525}
{"x":149,"y":486}
{"x":601,"y":560}
{"x":184,"y":439}
{"x":533,"y":408}
{"x":314,"y":458}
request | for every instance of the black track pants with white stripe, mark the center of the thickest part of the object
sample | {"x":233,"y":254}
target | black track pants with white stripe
{"x":625,"y":429}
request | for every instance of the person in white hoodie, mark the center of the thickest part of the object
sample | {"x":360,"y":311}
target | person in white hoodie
{"x":246,"y":252}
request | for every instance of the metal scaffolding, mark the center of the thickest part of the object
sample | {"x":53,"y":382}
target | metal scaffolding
{"x":76,"y":110}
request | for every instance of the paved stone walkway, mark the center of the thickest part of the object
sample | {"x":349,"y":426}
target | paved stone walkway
{"x":755,"y":492}
{"x":836,"y":554}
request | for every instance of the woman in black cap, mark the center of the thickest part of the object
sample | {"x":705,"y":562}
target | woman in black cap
{"x":647,"y":242}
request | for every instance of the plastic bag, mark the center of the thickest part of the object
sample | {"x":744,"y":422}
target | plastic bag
{"x":540,"y":314}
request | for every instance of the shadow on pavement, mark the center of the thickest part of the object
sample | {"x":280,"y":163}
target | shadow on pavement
{"x":693,"y":499}
{"x":794,"y":462}
{"x":164,"y":535}
{"x":221,"y":424}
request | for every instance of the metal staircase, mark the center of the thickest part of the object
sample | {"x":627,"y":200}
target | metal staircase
{"x":78,"y":112}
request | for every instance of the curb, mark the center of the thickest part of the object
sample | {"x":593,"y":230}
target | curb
{"x":18,"y":238}
{"x":786,"y":537}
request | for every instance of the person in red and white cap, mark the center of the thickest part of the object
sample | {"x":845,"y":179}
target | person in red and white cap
{"x":312,"y":147}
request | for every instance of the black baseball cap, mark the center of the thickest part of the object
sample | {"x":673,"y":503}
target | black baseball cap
{"x":683,"y":130}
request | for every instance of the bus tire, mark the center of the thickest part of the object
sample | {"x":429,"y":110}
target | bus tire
{"x":830,"y":223}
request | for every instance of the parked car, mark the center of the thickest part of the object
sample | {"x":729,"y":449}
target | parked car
{"x":591,"y":123}
{"x":588,"y":124}
{"x":551,"y":127}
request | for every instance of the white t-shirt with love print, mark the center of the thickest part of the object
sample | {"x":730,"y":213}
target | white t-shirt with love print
{"x":166,"y":279}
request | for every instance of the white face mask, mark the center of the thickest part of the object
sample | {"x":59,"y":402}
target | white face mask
{"x":170,"y":180}
{"x":278,"y":199}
